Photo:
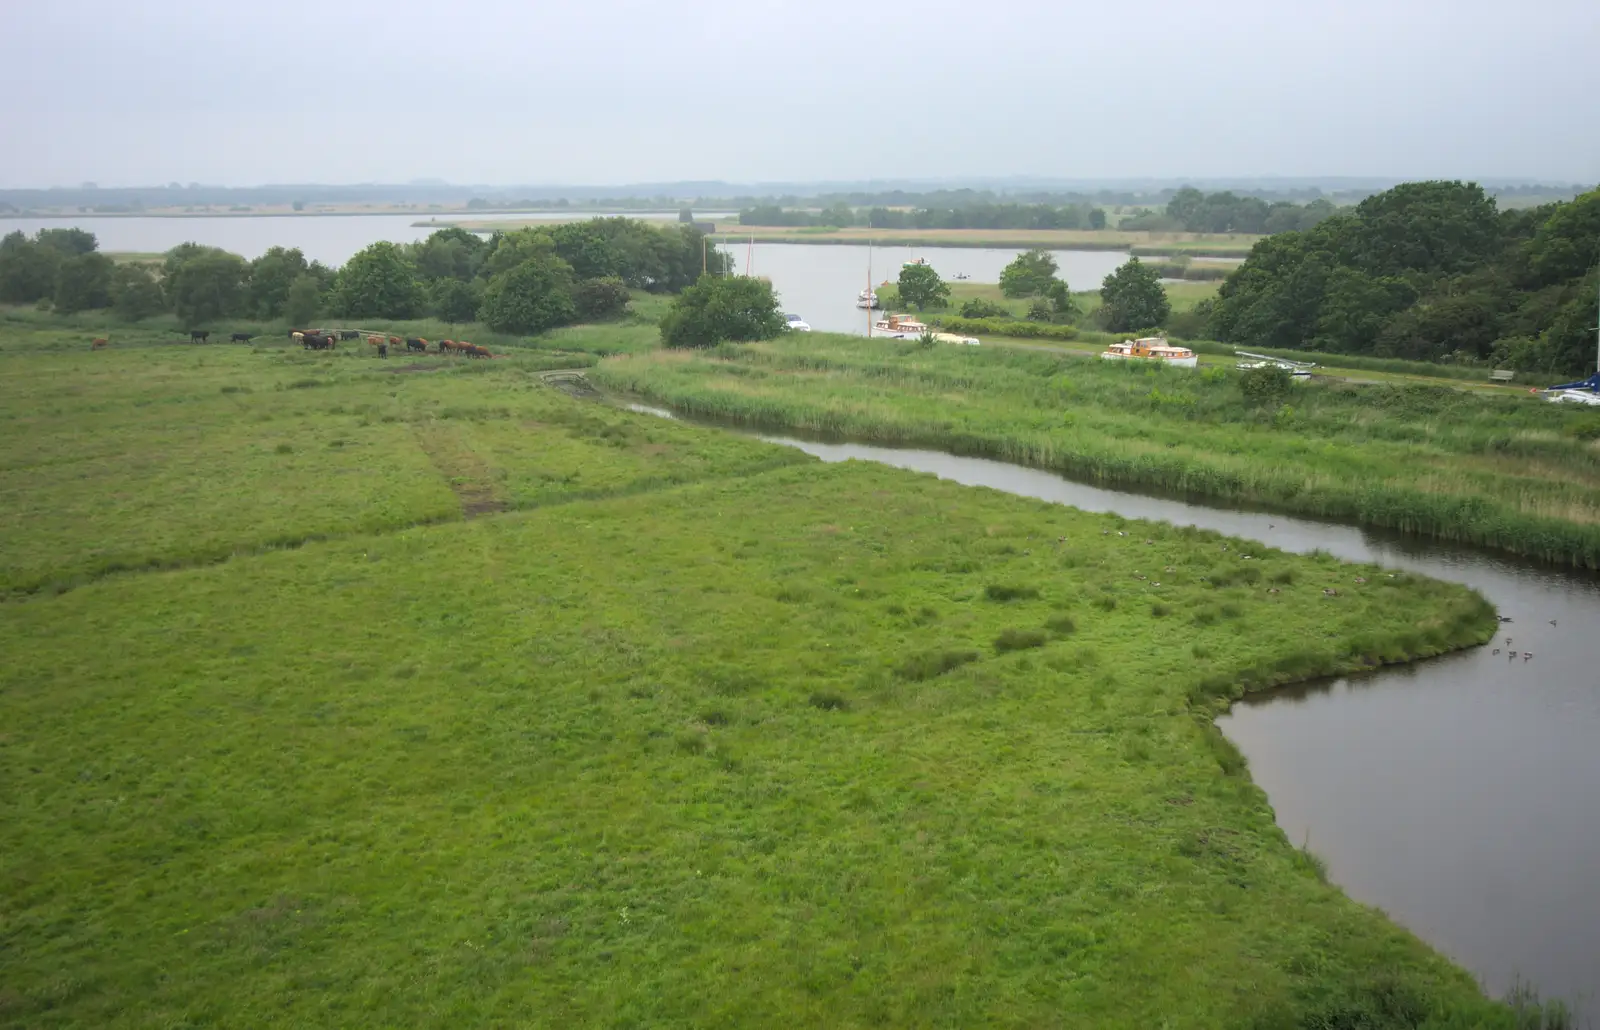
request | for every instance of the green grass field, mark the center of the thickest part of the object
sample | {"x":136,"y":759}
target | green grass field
{"x":683,"y":730}
{"x":1502,"y":470}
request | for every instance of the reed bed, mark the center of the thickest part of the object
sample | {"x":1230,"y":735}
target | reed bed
{"x":1503,"y":471}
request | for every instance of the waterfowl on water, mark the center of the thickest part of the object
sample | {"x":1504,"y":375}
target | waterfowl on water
{"x":1552,"y":622}
{"x":1496,"y":651}
{"x":1526,"y":655}
{"x":1505,"y":618}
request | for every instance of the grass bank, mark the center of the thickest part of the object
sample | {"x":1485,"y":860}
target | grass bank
{"x":682,"y":729}
{"x":1503,"y":470}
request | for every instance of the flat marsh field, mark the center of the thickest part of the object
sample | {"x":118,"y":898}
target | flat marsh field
{"x":1152,"y":243}
{"x":427,"y":695}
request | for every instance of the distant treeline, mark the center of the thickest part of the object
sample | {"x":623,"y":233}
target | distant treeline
{"x":977,"y":216}
{"x":1430,"y":271}
{"x":1190,"y":210}
{"x":711,"y":196}
{"x":524,"y":281}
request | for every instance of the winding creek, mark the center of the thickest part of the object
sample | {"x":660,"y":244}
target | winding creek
{"x":1460,"y":795}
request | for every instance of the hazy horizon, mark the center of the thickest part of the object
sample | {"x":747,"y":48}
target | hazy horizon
{"x":488,"y":92}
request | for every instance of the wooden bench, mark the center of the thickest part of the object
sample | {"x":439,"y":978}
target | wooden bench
{"x":1502,"y":375}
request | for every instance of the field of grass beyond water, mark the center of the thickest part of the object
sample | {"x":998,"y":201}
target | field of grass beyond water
{"x":1504,"y":471}
{"x":575,"y":717}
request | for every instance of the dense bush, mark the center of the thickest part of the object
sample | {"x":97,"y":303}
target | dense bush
{"x":979,"y":308}
{"x":719,"y":309}
{"x":534,"y":296}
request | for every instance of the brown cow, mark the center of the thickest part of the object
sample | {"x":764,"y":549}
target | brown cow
{"x":374,"y":341}
{"x":475,"y":351}
{"x":395,"y":341}
{"x":99,"y":343}
{"x":446,"y":346}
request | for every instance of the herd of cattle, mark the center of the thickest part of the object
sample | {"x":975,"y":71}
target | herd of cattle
{"x":326,"y":339}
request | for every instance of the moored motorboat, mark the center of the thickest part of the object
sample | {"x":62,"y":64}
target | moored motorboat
{"x":867,"y":299}
{"x":898,"y":327}
{"x":1151,"y":348}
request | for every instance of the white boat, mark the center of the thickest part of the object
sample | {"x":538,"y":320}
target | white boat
{"x":797,"y":323}
{"x":1151,"y":348}
{"x":867,"y":299}
{"x":1299,"y":371}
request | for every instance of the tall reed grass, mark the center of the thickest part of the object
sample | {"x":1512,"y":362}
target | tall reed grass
{"x":1500,"y":471}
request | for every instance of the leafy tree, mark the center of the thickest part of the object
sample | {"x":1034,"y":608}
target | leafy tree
{"x":1425,"y":226}
{"x":1040,"y":310}
{"x":1097,"y":218}
{"x":1132,"y":298}
{"x":721,"y":308}
{"x":921,"y":286}
{"x":534,"y":296}
{"x":183,"y":252}
{"x":67,"y":242}
{"x":378,"y":282}
{"x":1029,"y":275}
{"x":1062,"y":304}
{"x":1355,"y":307}
{"x":685,"y":215}
{"x":271,"y":275}
{"x":303,"y":301}
{"x":135,"y":294}
{"x":601,"y":299}
{"x":207,"y":286}
{"x":83,"y":282}
{"x":27,"y":270}
{"x":449,"y":254}
{"x":454,"y":301}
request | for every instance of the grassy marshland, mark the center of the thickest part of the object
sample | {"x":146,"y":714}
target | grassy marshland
{"x":688,"y":730}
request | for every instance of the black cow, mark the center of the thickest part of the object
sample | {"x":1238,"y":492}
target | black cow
{"x":240,"y":338}
{"x":317,"y":341}
{"x":199,"y":335}
{"x":412,"y":343}
{"x":349,"y":334}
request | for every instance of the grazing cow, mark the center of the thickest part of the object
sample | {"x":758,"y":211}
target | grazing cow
{"x":413,"y":343}
{"x":316,"y":341}
{"x":199,"y":335}
{"x":99,"y":343}
{"x":445,"y":346}
{"x":373,"y":341}
{"x":395,"y":341}
{"x":240,"y":338}
{"x":349,"y":334}
{"x":475,"y":351}
{"x":297,"y":336}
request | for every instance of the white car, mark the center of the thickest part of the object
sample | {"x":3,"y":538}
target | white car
{"x":797,"y":323}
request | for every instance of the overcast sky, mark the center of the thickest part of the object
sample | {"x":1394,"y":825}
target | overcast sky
{"x":614,"y":91}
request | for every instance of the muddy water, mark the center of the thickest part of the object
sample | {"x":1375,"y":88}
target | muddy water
{"x":1460,"y":795}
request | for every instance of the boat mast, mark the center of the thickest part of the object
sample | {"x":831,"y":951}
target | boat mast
{"x":869,"y":279}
